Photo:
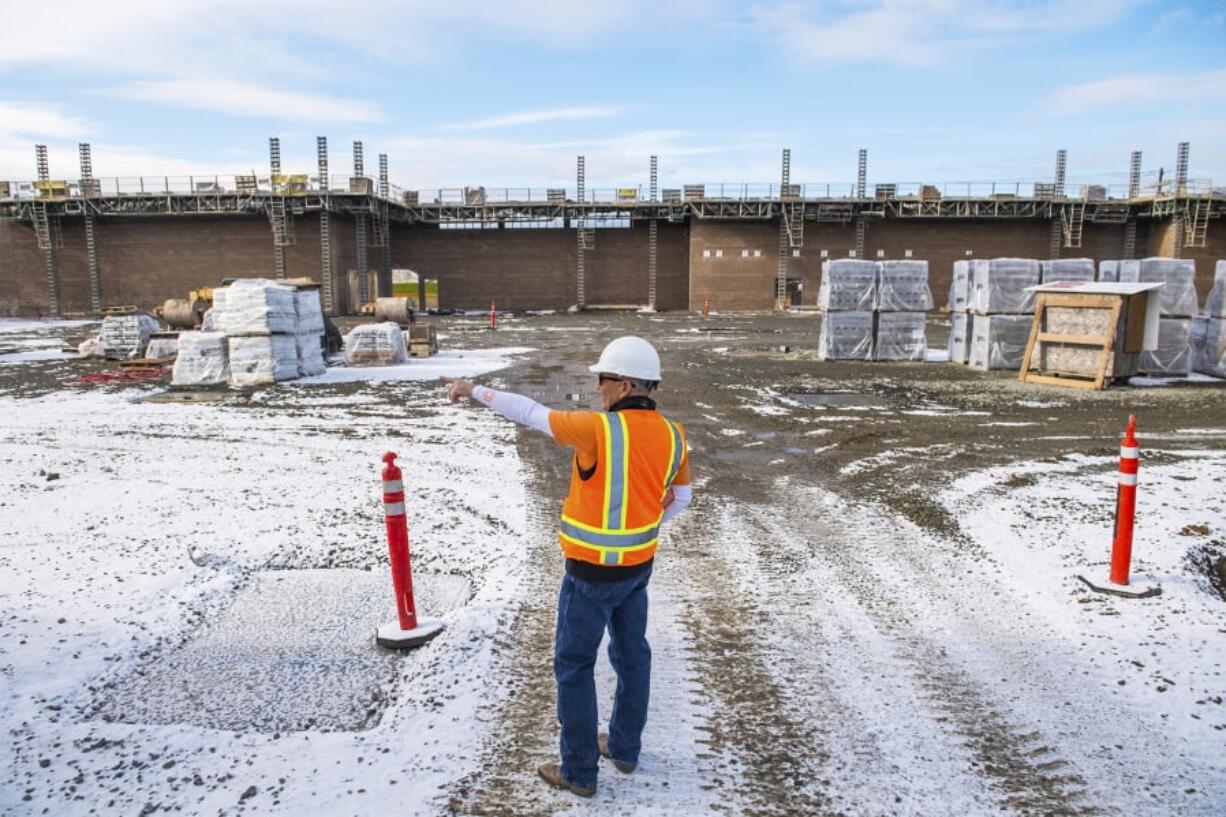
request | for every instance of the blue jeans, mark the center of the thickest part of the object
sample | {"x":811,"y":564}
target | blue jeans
{"x":585,"y":609}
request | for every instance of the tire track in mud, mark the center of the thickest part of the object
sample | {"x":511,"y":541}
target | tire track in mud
{"x":1015,"y":760}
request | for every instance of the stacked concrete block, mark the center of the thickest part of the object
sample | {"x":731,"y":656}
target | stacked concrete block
{"x":124,"y":337}
{"x":202,"y":360}
{"x":999,"y":286}
{"x":1208,"y":345}
{"x":259,"y":319}
{"x":257,"y":360}
{"x":1173,"y":353}
{"x":846,"y":336}
{"x":961,"y":326}
{"x":1177,"y":298}
{"x":309,"y":338}
{"x":1066,"y":269}
{"x":162,"y":345}
{"x":999,"y":341}
{"x":253,"y":306}
{"x":900,"y":336}
{"x":1215,"y":305}
{"x":960,"y":287}
{"x":1109,"y":271}
{"x":376,"y":344}
{"x":848,"y":285}
{"x":902,"y":286}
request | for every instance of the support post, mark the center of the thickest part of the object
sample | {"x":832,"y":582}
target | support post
{"x":45,"y":231}
{"x":91,"y":237}
{"x":359,"y":231}
{"x":1181,"y":199}
{"x":1134,"y":190}
{"x":653,"y":229}
{"x":785,"y":247}
{"x":1057,"y":227}
{"x":580,"y":234}
{"x":325,"y":232}
{"x":385,"y":261}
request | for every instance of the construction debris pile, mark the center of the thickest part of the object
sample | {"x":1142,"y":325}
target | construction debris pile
{"x":873,"y":310}
{"x":260,"y":332}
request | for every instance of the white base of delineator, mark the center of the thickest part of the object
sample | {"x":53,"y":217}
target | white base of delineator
{"x":390,"y":635}
{"x":1135,"y":589}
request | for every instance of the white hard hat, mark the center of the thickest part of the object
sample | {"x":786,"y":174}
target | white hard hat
{"x":629,"y":357}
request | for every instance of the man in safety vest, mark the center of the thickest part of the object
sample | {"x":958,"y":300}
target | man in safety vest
{"x":629,"y":475}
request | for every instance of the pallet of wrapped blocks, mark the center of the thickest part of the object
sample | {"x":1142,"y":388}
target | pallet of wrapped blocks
{"x":1215,"y":305}
{"x":902,"y":286}
{"x":999,"y":285}
{"x":254,"y":306}
{"x":162,"y":345}
{"x":310,"y":354}
{"x":202,"y":360}
{"x":900,"y":336}
{"x":846,"y":336}
{"x":1177,"y":298}
{"x":848,"y":285}
{"x":1208,"y":345}
{"x":257,"y":360}
{"x":1173,"y":353}
{"x":1055,"y":357}
{"x":961,"y":326}
{"x":960,"y":287}
{"x":1109,"y":272}
{"x":999,"y":341}
{"x":1066,"y":269}
{"x":308,"y":311}
{"x":124,"y":337}
{"x":375,"y":344}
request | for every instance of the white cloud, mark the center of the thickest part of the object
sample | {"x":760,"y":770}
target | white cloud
{"x":238,"y":98}
{"x":1133,"y":91}
{"x":38,"y":121}
{"x":536,"y":117}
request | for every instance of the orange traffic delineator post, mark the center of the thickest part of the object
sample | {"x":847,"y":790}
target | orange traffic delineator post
{"x":1119,"y":583}
{"x":408,"y":630}
{"x":706,"y":308}
{"x":493,"y":317}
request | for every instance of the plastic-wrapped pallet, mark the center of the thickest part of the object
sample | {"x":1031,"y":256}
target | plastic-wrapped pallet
{"x":902,"y":286}
{"x":900,"y":336}
{"x":1066,"y":269}
{"x":848,"y":285}
{"x":1109,"y":271}
{"x":254,"y":306}
{"x":961,"y":327}
{"x":1177,"y":297}
{"x":310,"y":353}
{"x":309,"y":313}
{"x":999,"y":285}
{"x":125,"y":337}
{"x":1215,"y":306}
{"x":1172,"y":354}
{"x":960,"y":287}
{"x":162,"y":345}
{"x":1208,"y":336}
{"x":999,"y":341}
{"x":202,"y":359}
{"x":846,"y":336}
{"x":256,"y":360}
{"x":374,"y":344}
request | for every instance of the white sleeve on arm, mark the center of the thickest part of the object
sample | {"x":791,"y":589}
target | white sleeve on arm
{"x":682,"y":494}
{"x":523,"y":410}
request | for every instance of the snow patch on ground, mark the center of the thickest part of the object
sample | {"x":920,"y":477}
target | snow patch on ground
{"x":36,"y":356}
{"x":467,"y":363}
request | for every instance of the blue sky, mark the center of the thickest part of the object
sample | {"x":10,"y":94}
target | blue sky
{"x":507,"y":93}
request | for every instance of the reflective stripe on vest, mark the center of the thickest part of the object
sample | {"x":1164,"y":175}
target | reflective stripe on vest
{"x":674,"y":458}
{"x":617,"y":463}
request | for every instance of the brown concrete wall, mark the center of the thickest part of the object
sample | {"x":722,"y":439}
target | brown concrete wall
{"x":23,"y":284}
{"x":1159,"y":239}
{"x":535,"y":269}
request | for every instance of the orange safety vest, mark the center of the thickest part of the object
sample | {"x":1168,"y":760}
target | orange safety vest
{"x":613,"y":517}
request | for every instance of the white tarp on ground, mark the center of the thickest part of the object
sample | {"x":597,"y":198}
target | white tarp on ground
{"x":1066,"y":269}
{"x":999,"y":341}
{"x":124,"y":337}
{"x":960,"y":287}
{"x":1178,"y":279}
{"x":902,"y":286}
{"x":846,"y":336}
{"x":848,"y":285}
{"x":201,"y":360}
{"x":261,"y":359}
{"x":256,"y":306}
{"x":1001,"y":285}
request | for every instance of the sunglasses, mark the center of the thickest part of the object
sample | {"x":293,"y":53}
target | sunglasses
{"x":604,"y":378}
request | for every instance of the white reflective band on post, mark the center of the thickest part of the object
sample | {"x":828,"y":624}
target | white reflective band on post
{"x":1128,"y":479}
{"x":393,"y":508}
{"x":391,"y":486}
{"x":1129,"y":452}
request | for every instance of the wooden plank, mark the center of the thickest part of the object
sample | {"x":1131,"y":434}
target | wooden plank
{"x":1134,"y":323}
{"x":1063,"y":381}
{"x":1108,"y":342}
{"x":1040,"y":307}
{"x":1082,"y":300}
{"x":1080,"y":340}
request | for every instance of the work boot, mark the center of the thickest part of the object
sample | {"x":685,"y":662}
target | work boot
{"x":602,"y":740}
{"x":551,"y":773}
